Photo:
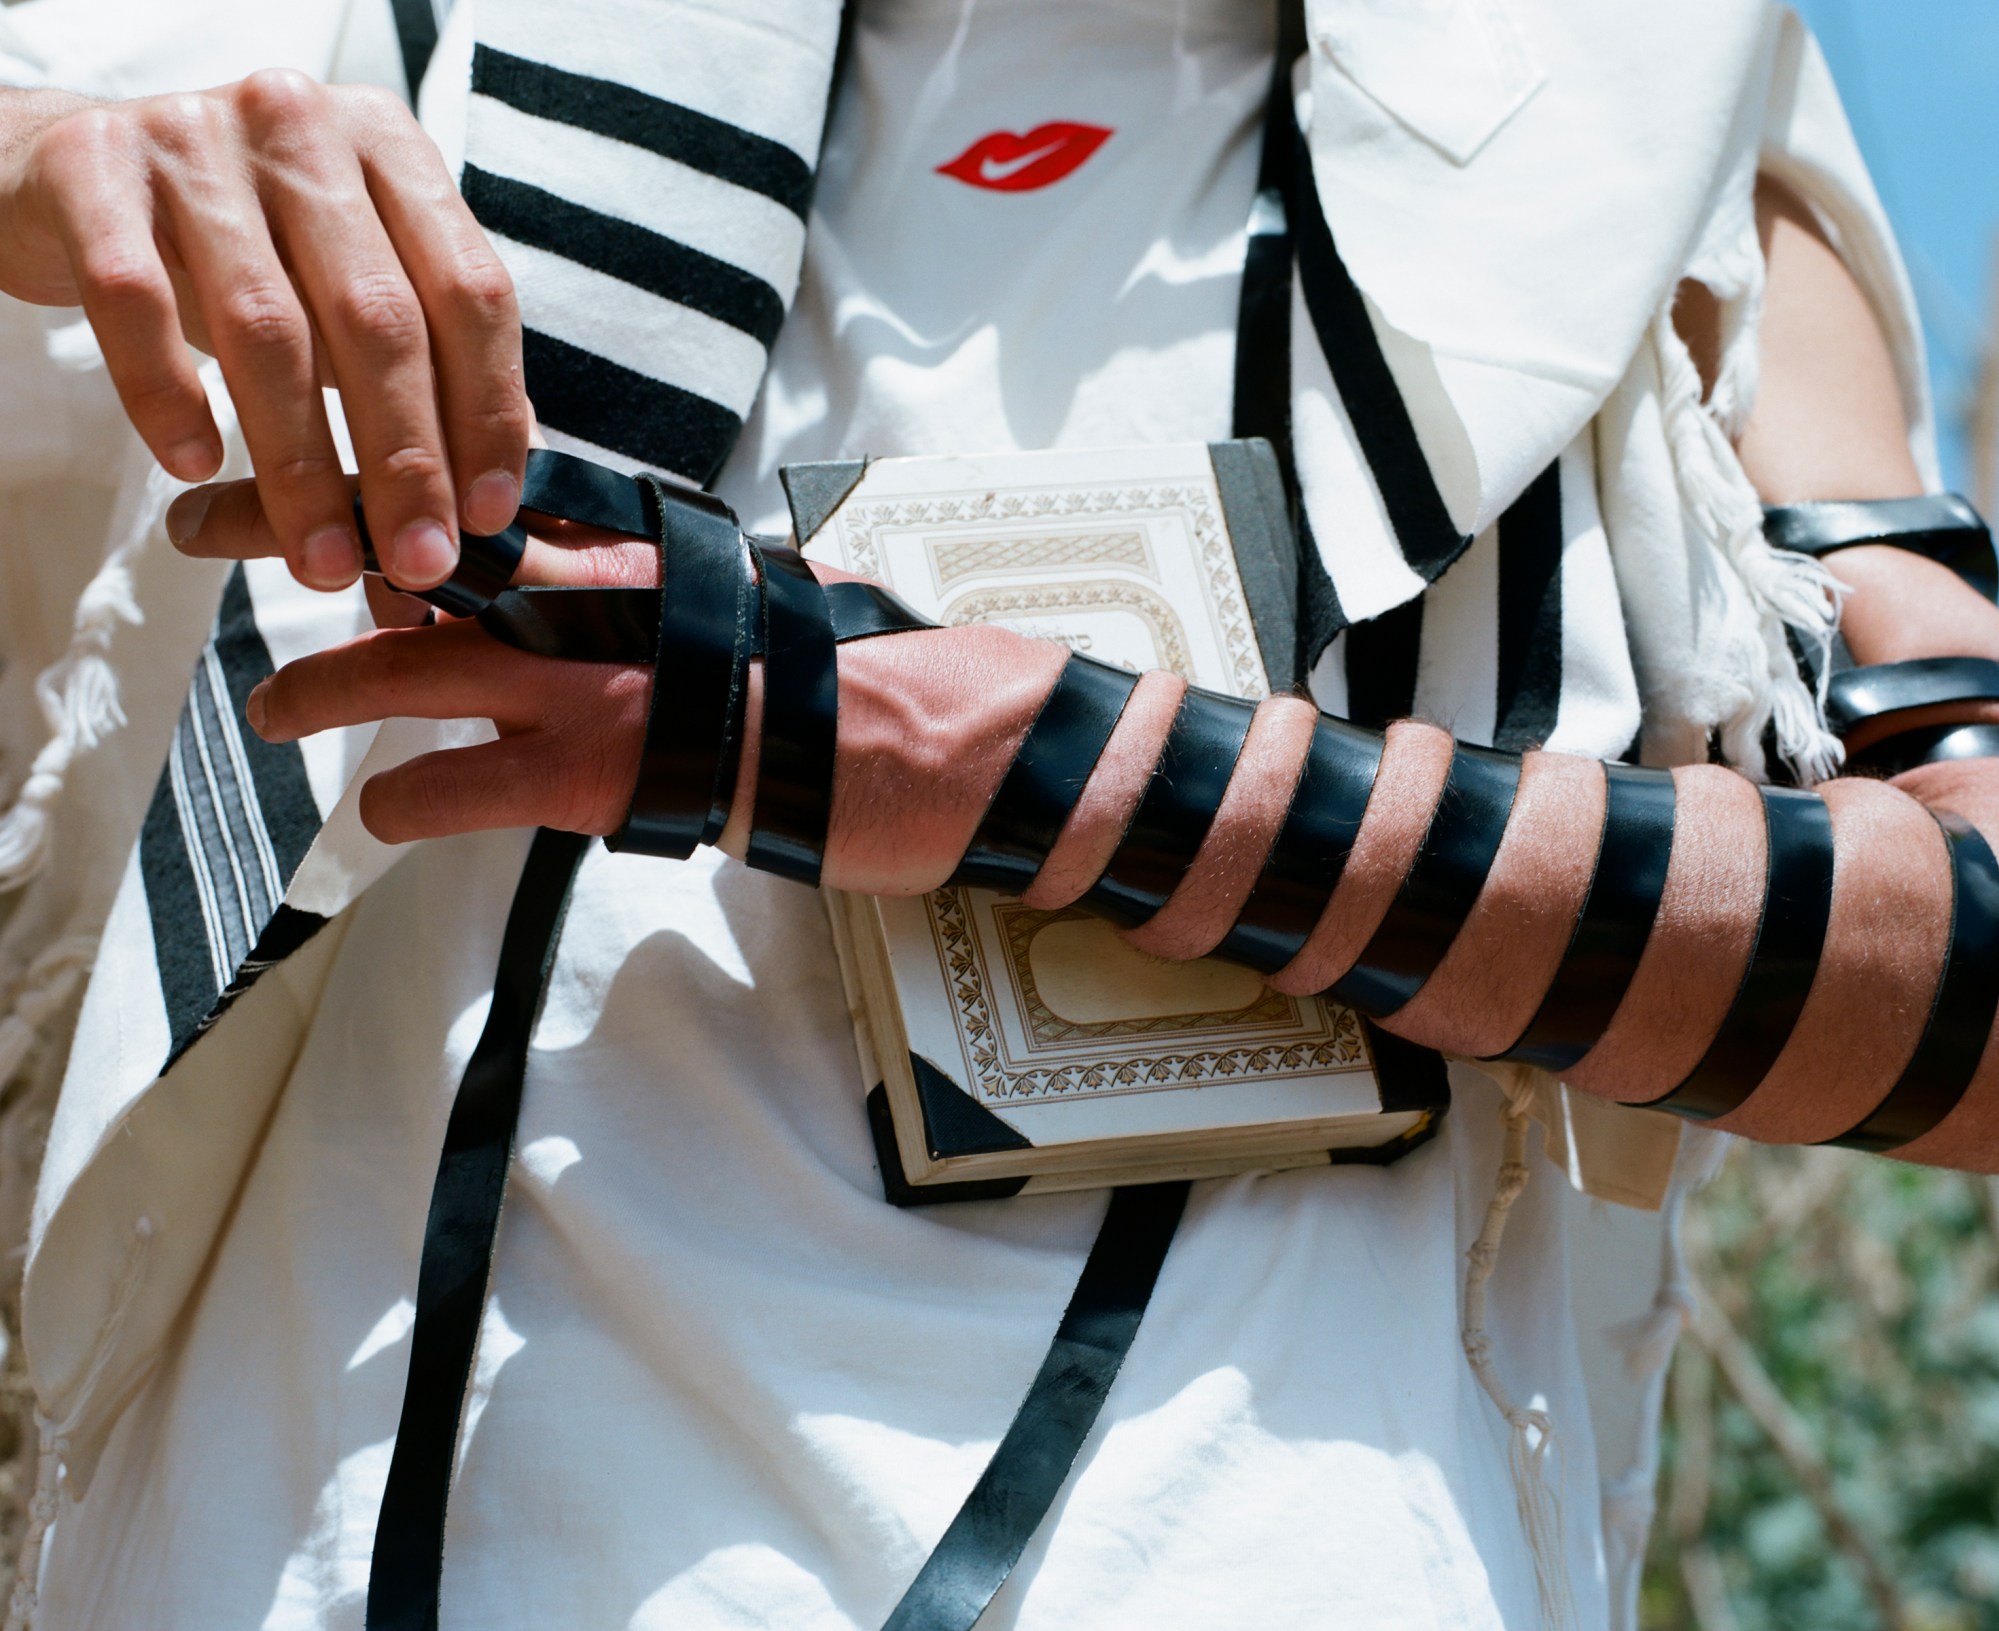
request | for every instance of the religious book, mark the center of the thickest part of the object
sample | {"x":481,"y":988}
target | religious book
{"x":1005,"y":1050}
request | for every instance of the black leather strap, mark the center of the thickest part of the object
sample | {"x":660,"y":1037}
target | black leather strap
{"x":1942,"y":526}
{"x":1177,"y":809}
{"x":1027,"y":1471}
{"x":1056,"y":757}
{"x":1615,"y":923}
{"x":1960,"y":1027}
{"x":486,"y":565}
{"x":1857,"y":694}
{"x":1442,"y":885}
{"x":458,"y":1248}
{"x":416,"y":34}
{"x":1927,"y":745}
{"x":1797,"y":905}
{"x":567,"y":488}
{"x":622,"y":625}
{"x":687,"y":767}
{"x":801,"y":700}
{"x":1311,"y":849}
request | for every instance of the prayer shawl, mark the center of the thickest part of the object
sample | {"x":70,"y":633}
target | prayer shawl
{"x":1517,"y":187}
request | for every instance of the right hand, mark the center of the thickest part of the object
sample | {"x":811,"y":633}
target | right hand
{"x":300,"y":234}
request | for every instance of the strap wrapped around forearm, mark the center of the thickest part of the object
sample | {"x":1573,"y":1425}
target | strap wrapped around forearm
{"x":1967,"y":998}
{"x":1309,"y":855}
{"x":1925,"y":745}
{"x":801,"y":702}
{"x":1797,"y":907}
{"x":1176,"y":810}
{"x":1442,"y":884}
{"x":1942,"y":526}
{"x":1615,"y":923}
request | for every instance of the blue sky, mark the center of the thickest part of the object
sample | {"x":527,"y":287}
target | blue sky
{"x":1921,"y":83}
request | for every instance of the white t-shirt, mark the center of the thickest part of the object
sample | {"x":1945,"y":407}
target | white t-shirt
{"x":723,"y":1383}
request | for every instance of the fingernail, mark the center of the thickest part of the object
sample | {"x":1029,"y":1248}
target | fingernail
{"x":195,"y":459}
{"x":184,"y":515}
{"x":331,"y":558}
{"x":491,"y":502}
{"x":253,"y":706}
{"x":424,"y":555}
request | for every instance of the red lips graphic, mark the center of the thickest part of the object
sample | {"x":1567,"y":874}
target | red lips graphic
{"x":1006,"y":163}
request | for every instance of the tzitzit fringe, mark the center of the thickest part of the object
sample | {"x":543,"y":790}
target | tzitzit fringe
{"x":1532,"y":1455}
{"x":1786,"y":590}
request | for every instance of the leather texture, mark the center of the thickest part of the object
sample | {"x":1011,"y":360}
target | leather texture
{"x":1615,"y":923}
{"x":1927,"y":745}
{"x":1310,"y":852}
{"x":1797,"y":905}
{"x":687,"y":766}
{"x":984,"y":1541}
{"x":1177,"y":809}
{"x":1046,"y":778}
{"x":1960,"y":1025}
{"x":458,"y":1237}
{"x":1881,"y":689}
{"x":801,"y":705}
{"x":1942,"y":526}
{"x":1442,"y":885}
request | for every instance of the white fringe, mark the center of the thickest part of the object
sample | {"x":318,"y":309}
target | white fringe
{"x":1532,"y":1453}
{"x":1786,"y":590}
{"x":26,"y":1597}
{"x":78,"y":694}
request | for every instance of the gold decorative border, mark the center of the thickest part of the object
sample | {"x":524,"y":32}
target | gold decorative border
{"x":958,"y":558}
{"x":995,"y":1081}
{"x":860,"y":522}
{"x":1169,"y":634}
{"x":1019,"y":925}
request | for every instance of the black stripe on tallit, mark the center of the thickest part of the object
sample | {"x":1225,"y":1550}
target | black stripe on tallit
{"x":1381,"y":663}
{"x":275,"y":805}
{"x":605,"y":108}
{"x":1530,"y":616}
{"x":582,"y":394}
{"x":1424,"y":532}
{"x":632,"y":254}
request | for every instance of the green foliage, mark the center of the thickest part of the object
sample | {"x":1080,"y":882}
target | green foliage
{"x":1869,"y":1293}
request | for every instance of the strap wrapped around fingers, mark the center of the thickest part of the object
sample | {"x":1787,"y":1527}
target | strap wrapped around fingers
{"x":1960,"y":1025}
{"x":1797,"y":907}
{"x":1442,"y":884}
{"x":1942,"y":526}
{"x":1177,"y":809}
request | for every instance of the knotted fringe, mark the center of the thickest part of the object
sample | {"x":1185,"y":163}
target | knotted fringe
{"x":1786,"y":590}
{"x":78,"y":694}
{"x":1532,"y":1454}
{"x":1646,"y":1341}
{"x":26,"y":1596}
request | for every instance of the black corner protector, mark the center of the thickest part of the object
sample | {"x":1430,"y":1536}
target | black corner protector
{"x":1382,"y":1155}
{"x":955,"y":1123}
{"x":899,"y":1191}
{"x":1408,"y":1077}
{"x":815,"y":491}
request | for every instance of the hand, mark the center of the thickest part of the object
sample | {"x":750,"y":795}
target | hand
{"x":299,"y":233}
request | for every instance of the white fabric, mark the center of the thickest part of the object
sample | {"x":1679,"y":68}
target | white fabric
{"x":132,"y":1215}
{"x":723,"y":1384}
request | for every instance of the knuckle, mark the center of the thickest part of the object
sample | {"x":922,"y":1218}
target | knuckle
{"x":113,"y":275}
{"x":482,"y":290}
{"x":373,"y":107}
{"x":184,"y":124}
{"x":275,"y":97}
{"x":380,"y":310}
{"x":264,"y":317}
{"x":412,"y":465}
{"x":293,"y":470}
